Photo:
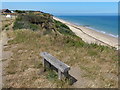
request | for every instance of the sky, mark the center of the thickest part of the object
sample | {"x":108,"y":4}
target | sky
{"x":65,"y":8}
{"x":60,"y":0}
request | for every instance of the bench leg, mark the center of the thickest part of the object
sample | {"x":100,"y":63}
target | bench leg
{"x":43,"y":61}
{"x":59,"y":74}
{"x":66,"y":74}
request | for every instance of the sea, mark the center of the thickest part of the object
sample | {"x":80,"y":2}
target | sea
{"x":104,"y":24}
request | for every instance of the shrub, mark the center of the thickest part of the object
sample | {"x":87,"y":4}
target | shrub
{"x":58,"y":23}
{"x":74,"y":42}
{"x":6,"y":25}
{"x":22,"y":22}
{"x":7,"y":28}
{"x":19,"y":11}
{"x":33,"y":22}
{"x":33,"y":27}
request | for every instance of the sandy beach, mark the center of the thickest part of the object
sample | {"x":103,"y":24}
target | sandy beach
{"x":91,"y":36}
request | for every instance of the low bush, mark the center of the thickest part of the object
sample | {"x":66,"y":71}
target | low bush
{"x":58,"y":23}
{"x":63,"y":29}
{"x":19,"y":11}
{"x":22,"y":23}
{"x":74,"y":42}
{"x":6,"y":25}
{"x":33,"y":22}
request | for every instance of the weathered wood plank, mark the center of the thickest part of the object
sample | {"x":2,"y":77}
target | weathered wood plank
{"x":55,"y":62}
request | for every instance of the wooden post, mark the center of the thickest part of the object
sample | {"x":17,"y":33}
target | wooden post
{"x":59,"y":74}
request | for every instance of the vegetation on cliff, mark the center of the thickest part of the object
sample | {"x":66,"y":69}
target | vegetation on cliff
{"x":40,"y":21}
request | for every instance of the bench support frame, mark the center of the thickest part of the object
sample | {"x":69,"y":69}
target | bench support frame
{"x":59,"y":74}
{"x":43,"y":62}
{"x":48,"y":64}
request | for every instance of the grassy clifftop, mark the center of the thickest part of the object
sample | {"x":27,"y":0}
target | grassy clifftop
{"x":40,"y":21}
{"x":34,"y":33}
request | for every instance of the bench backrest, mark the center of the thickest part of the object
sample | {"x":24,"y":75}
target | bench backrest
{"x":55,"y":62}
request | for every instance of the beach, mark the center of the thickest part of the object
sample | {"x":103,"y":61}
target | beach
{"x":91,"y":36}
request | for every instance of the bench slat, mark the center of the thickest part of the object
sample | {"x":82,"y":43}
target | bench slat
{"x":55,"y":62}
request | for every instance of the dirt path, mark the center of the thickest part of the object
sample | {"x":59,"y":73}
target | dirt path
{"x":3,"y":41}
{"x":81,"y":82}
{"x":3,"y":54}
{"x":0,"y":60}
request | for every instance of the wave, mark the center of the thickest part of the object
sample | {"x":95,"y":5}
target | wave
{"x":116,"y":36}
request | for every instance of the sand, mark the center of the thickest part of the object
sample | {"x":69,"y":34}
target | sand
{"x":91,"y":36}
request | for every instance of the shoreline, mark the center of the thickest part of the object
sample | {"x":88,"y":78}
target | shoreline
{"x":101,"y":31}
{"x":90,"y":27}
{"x":91,"y":36}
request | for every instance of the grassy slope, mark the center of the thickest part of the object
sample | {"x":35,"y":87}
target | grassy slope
{"x":24,"y":65}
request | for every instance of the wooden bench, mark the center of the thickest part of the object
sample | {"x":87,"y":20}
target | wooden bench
{"x":62,"y":67}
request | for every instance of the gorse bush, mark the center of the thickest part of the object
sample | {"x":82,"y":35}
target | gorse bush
{"x":33,"y":22}
{"x":23,"y":23}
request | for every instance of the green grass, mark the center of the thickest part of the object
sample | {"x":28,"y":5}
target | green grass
{"x":53,"y":77}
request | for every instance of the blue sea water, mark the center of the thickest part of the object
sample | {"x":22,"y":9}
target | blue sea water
{"x":104,"y":24}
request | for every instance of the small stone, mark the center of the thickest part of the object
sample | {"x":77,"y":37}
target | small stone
{"x":25,"y":51}
{"x":20,"y":51}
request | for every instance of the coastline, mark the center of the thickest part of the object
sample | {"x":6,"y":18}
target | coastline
{"x":91,"y":36}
